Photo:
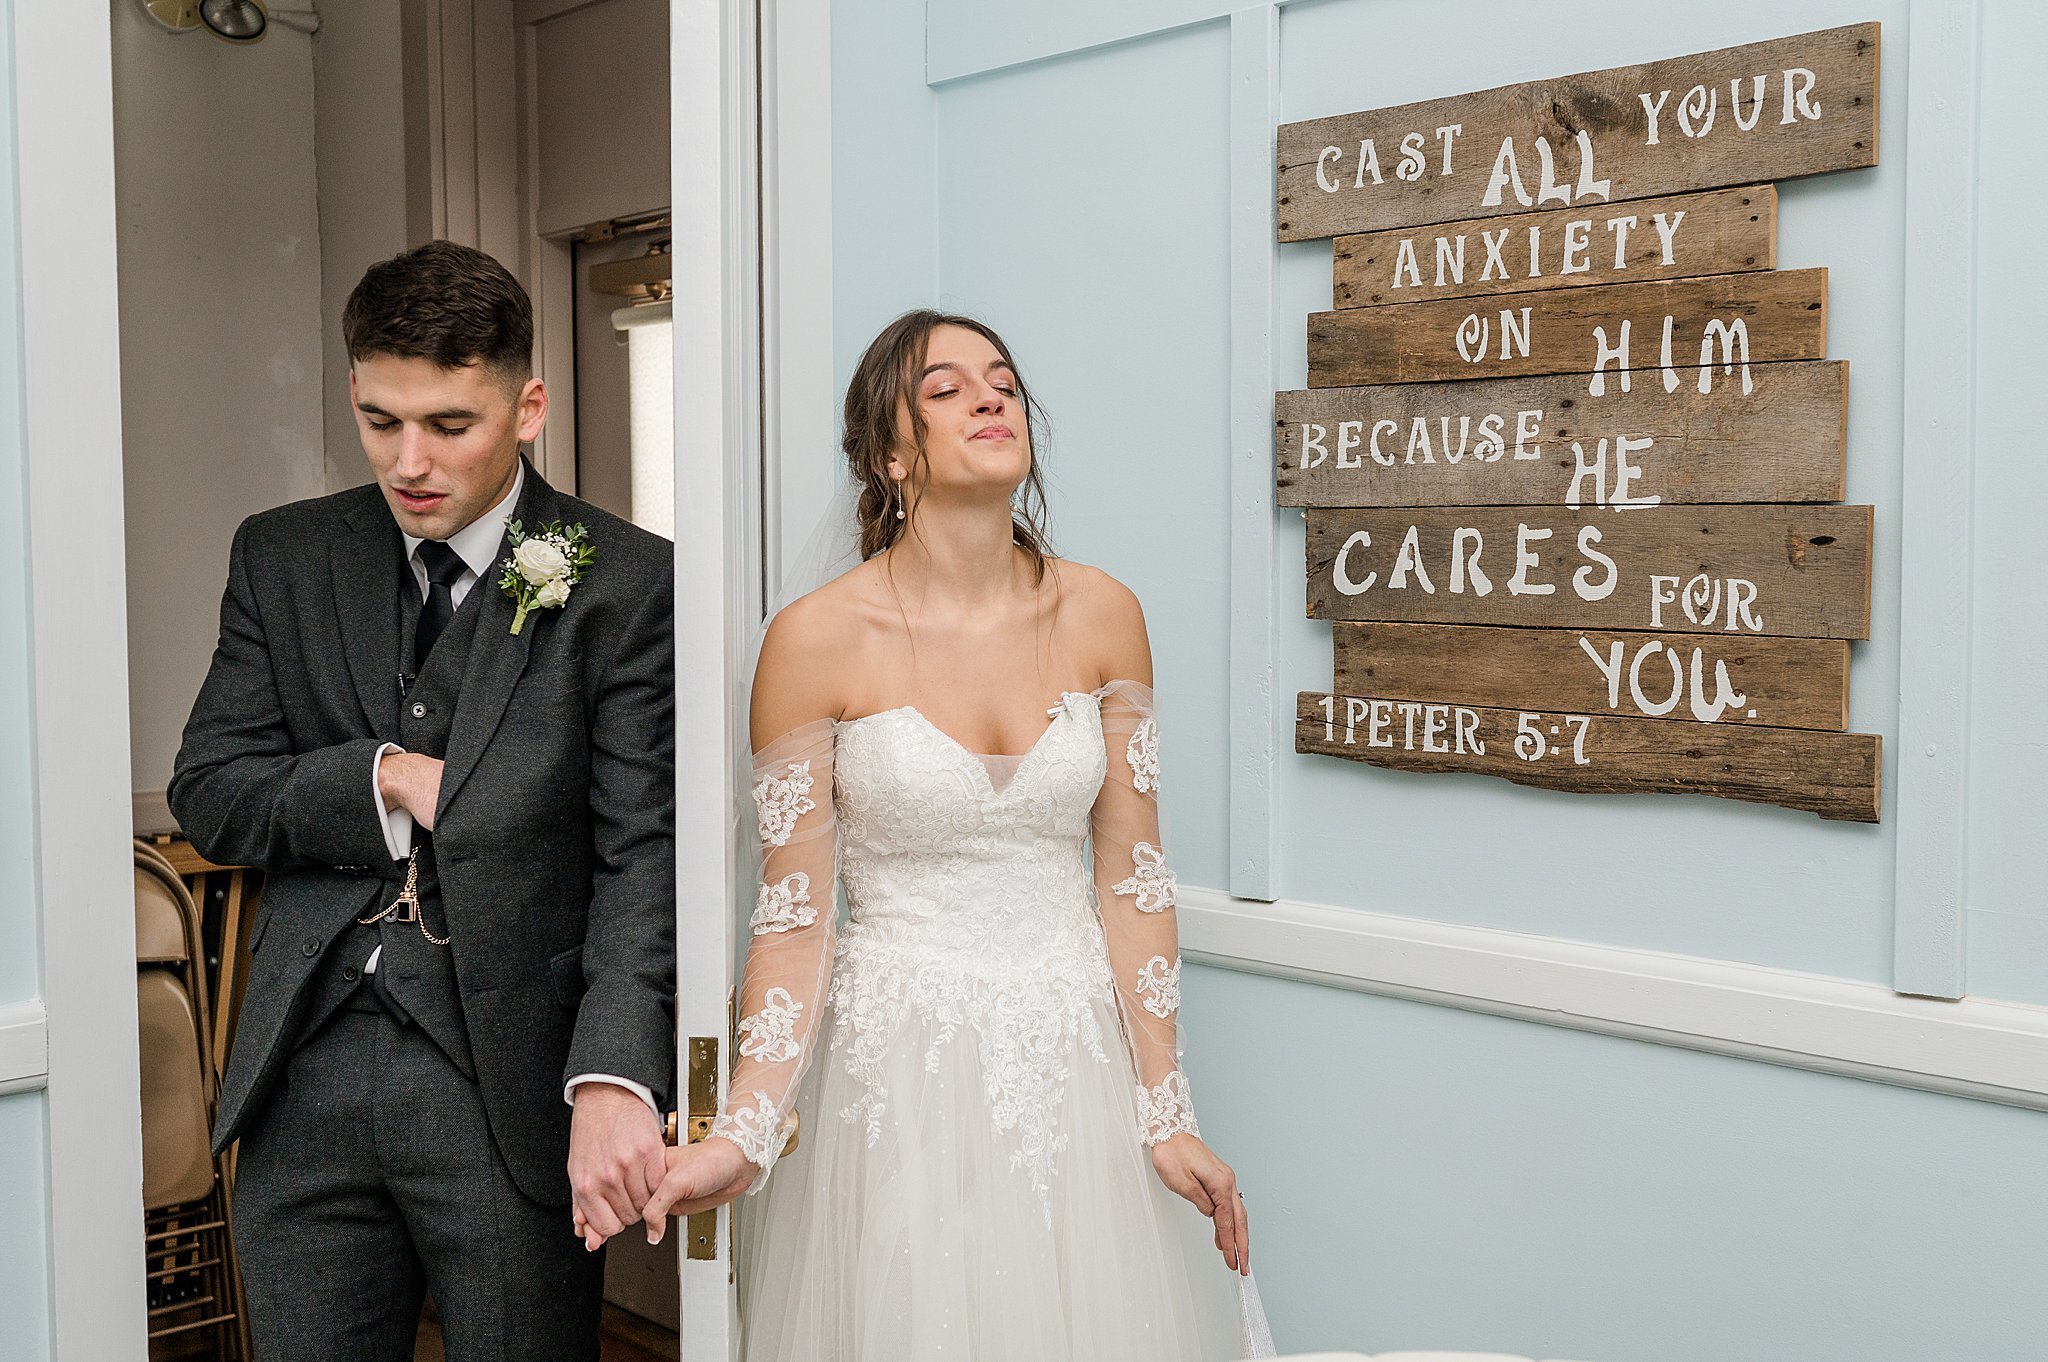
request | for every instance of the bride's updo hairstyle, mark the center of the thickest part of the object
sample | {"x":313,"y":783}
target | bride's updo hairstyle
{"x":885,"y":381}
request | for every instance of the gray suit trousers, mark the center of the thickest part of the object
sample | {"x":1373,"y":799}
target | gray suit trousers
{"x":370,"y":1178}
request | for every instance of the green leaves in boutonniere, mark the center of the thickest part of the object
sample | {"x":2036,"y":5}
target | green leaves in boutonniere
{"x":543,"y":567}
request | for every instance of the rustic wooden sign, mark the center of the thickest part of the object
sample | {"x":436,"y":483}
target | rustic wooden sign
{"x":1721,"y":232}
{"x":1783,"y":571}
{"x":1544,"y":441}
{"x":1832,"y":774}
{"x":1737,"y":115}
{"x":1714,"y":678}
{"x":1717,"y":326}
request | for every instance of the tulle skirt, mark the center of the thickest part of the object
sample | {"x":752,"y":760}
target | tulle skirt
{"x":916,"y":1234}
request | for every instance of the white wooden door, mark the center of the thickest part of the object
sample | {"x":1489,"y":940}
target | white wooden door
{"x":717,"y":442}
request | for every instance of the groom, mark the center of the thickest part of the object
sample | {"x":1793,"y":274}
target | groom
{"x":469,"y":834}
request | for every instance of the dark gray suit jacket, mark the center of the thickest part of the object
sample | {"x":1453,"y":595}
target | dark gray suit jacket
{"x":555,"y":834}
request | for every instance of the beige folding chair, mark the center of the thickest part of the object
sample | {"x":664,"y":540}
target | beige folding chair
{"x":195,"y":1289}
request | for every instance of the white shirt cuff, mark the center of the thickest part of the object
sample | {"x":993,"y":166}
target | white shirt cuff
{"x":397,"y":822}
{"x":639,"y":1090}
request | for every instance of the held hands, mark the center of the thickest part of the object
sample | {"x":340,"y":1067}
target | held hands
{"x":410,"y":781}
{"x":615,"y":1160}
{"x":689,"y":1179}
{"x":1190,"y":1170}
{"x":701,"y":1177}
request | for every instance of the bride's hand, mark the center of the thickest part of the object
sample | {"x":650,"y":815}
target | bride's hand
{"x":1189,"y":1169}
{"x":700,"y":1176}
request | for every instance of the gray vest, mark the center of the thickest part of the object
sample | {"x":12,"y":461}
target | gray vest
{"x":418,"y":973}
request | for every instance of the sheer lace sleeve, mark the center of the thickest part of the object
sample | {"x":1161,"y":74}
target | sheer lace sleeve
{"x":1134,"y":892}
{"x":789,"y":958}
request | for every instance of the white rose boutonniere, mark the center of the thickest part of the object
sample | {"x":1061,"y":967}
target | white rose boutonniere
{"x":543,"y":567}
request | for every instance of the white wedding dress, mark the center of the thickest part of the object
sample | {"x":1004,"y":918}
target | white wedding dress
{"x":980,"y":1060}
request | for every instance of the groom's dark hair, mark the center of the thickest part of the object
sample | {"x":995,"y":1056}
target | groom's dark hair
{"x":443,"y":302}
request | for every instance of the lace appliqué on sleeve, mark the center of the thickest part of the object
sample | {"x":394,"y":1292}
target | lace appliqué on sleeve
{"x":758,"y":1130}
{"x":1142,"y":755}
{"x":782,"y":800}
{"x":1166,"y":1109}
{"x":1159,"y":986}
{"x":770,"y":1034}
{"x":1150,"y":881}
{"x":783,"y":906}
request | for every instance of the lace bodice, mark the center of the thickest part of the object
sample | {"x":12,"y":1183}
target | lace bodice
{"x":973,"y":904}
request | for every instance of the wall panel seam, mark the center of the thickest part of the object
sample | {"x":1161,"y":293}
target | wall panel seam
{"x":1980,"y":1048}
{"x":1253,"y":748}
{"x":1930,"y":764}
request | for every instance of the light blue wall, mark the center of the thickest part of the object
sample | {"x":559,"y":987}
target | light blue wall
{"x":1423,"y":1177}
{"x":24,"y":1250}
{"x":2008,"y":887}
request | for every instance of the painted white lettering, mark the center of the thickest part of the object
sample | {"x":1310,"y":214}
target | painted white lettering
{"x":1519,"y":584}
{"x":1511,"y":335}
{"x":1381,"y":715}
{"x":1756,"y":88}
{"x":1609,"y":667}
{"x":1796,"y":95}
{"x":1496,"y":258}
{"x":1621,"y":227}
{"x":1635,"y":680}
{"x":1582,"y":469}
{"x":1447,"y":135}
{"x":1409,"y":559}
{"x":1406,"y":270}
{"x":1418,"y":438}
{"x":1582,"y":580}
{"x":1652,"y":110}
{"x":1411,"y":165}
{"x":1528,"y":426}
{"x":1742,"y":595}
{"x":1340,"y":570}
{"x":1626,"y":473}
{"x":1604,"y":355}
{"x":1450,"y":261}
{"x":1577,"y":243}
{"x":1660,"y":597}
{"x":1312,"y":435}
{"x":1696,"y":111}
{"x":1491,"y":446}
{"x":1733,"y":335}
{"x":1465,"y":564}
{"x":1506,"y":174}
{"x":1348,"y":435}
{"x":1384,"y":460}
{"x":1667,"y":231}
{"x":1368,"y":164}
{"x":1473,"y":337}
{"x":1324,"y":182}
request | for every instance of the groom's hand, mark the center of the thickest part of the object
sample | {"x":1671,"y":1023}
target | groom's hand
{"x":701,"y":1176}
{"x":412,"y":782}
{"x":615,"y":1160}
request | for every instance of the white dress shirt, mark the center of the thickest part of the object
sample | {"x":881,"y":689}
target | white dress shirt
{"x":476,"y":544}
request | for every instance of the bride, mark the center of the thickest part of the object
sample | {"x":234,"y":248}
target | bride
{"x":960,"y":731}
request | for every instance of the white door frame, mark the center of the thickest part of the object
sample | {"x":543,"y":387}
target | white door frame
{"x":750,"y":179}
{"x":717,"y":439}
{"x":78,"y":611}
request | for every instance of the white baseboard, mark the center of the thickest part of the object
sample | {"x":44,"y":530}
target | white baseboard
{"x":1993,"y":1051}
{"x":24,"y":1047}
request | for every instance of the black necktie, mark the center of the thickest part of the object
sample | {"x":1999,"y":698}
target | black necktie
{"x":444,"y":568}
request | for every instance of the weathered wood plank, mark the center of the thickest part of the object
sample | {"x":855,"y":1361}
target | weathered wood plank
{"x":1524,"y":441}
{"x":1695,"y":678}
{"x":1782,"y":571}
{"x":1835,"y":775}
{"x":1736,"y":115}
{"x":1717,"y":325}
{"x":1722,"y":232}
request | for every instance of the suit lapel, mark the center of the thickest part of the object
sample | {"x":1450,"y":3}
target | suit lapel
{"x":496,"y":658}
{"x":369,"y":570}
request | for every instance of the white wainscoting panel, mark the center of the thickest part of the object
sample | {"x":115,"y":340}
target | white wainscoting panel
{"x":1993,"y":1051}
